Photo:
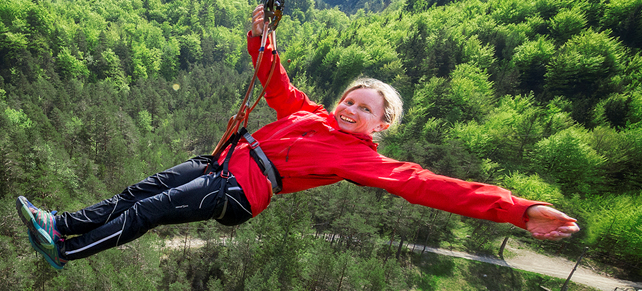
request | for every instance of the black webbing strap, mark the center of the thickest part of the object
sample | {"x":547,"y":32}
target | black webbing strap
{"x":225,"y":173}
{"x":226,"y":162}
{"x":262,"y":160}
{"x":259,"y":157}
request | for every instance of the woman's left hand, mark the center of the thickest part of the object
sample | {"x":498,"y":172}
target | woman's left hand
{"x":548,"y":223}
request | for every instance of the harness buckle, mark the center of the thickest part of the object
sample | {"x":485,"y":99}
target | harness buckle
{"x":251,"y":141}
{"x":225,"y":174}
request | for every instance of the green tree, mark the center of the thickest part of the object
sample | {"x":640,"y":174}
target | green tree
{"x":471,"y":89}
{"x":568,"y":159}
{"x":170,"y":59}
{"x":615,"y":226}
{"x":506,"y":134}
{"x":69,"y":66}
{"x":566,"y":23}
{"x":191,"y":50}
{"x":513,"y":11}
{"x":531,"y":59}
{"x":583,"y":71}
{"x":109,"y":68}
{"x":624,"y":18}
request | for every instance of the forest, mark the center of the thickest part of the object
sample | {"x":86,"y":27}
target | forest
{"x":540,"y":97}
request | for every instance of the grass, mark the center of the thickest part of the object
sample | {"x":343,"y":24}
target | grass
{"x":435,"y":272}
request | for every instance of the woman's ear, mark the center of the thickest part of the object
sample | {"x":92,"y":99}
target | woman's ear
{"x":383,"y":126}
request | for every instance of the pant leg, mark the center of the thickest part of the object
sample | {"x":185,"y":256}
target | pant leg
{"x":91,"y":217}
{"x":195,"y":201}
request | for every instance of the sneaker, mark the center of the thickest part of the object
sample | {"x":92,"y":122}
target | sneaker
{"x":51,"y":255}
{"x":41,"y":223}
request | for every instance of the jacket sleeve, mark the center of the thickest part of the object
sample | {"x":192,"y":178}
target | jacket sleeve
{"x":420,"y":186}
{"x":280,"y":94}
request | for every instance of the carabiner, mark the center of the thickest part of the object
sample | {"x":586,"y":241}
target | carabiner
{"x":273,"y":9}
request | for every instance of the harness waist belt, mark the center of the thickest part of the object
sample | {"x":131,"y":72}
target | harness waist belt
{"x":264,"y":163}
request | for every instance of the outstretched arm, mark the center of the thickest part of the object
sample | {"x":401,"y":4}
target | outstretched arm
{"x":548,"y":223}
{"x":420,"y":186}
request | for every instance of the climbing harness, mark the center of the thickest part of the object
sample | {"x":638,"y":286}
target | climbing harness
{"x":273,"y":11}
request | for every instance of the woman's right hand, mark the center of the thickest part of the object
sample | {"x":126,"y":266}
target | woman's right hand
{"x":258,"y":20}
{"x":548,"y":223}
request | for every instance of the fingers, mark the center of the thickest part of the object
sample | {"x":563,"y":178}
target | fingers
{"x":258,"y":10}
{"x":569,"y":229}
{"x":554,"y":235}
{"x":548,"y":212}
{"x":558,"y":234}
{"x":556,"y":214}
{"x":257,"y":20}
{"x":257,"y":27}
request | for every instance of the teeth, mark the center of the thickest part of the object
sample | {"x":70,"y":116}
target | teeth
{"x":347,"y":119}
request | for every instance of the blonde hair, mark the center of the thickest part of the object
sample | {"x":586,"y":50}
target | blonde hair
{"x":392,"y":103}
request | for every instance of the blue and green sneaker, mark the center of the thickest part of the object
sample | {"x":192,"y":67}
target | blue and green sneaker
{"x":39,"y":222}
{"x":51,"y":255}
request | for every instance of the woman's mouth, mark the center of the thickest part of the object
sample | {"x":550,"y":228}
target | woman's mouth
{"x":346,"y":119}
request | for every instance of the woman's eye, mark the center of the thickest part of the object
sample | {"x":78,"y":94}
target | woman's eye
{"x":366,"y":109}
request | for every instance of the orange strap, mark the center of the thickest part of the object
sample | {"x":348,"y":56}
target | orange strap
{"x":244,"y":111}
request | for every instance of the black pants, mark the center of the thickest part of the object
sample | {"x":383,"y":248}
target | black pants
{"x":180,"y":194}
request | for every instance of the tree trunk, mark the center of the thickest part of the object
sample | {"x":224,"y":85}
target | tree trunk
{"x":343,"y":272}
{"x":501,"y":249}
{"x":400,"y":245}
{"x":426,"y":242}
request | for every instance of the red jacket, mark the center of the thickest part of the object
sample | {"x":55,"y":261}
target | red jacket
{"x":309,"y":150}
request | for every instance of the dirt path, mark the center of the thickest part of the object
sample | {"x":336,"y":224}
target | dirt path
{"x":522,"y":259}
{"x":551,"y":266}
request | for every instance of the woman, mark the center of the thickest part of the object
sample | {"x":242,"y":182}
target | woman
{"x":309,"y":147}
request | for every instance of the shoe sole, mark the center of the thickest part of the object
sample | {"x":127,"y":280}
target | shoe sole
{"x":40,"y":234}
{"x":36,"y":246}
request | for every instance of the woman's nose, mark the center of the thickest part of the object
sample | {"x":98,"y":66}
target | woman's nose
{"x":350,"y":109}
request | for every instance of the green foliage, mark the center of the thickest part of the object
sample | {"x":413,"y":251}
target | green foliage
{"x":512,"y":11}
{"x":145,"y":121}
{"x":532,"y":187}
{"x":568,"y":159}
{"x":624,"y":17}
{"x":507,"y":134}
{"x":477,"y":54}
{"x":18,"y":118}
{"x":583,"y":71}
{"x":566,"y":23}
{"x":344,"y":65}
{"x":471,"y":91}
{"x":635,"y":113}
{"x":190,"y":50}
{"x":531,"y":59}
{"x":622,"y":152}
{"x":614,"y":111}
{"x":468,"y":94}
{"x":110,"y":67}
{"x":614,"y":225}
{"x":584,"y":56}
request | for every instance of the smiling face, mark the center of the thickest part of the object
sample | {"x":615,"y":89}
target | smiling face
{"x":361,"y":111}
